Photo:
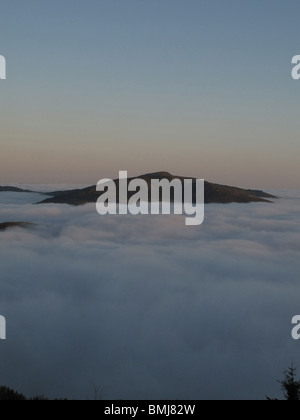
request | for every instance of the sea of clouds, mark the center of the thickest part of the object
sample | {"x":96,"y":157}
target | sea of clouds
{"x":145,"y":307}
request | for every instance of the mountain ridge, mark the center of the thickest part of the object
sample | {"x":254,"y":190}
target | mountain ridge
{"x":10,"y":225}
{"x":214,"y":193}
{"x":13,"y":189}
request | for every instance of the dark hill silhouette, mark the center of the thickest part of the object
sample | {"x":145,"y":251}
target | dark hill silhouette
{"x":214,"y":193}
{"x":9,"y":225}
{"x":13,"y":189}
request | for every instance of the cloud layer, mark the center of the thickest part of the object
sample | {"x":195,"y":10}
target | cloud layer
{"x":146,"y":307}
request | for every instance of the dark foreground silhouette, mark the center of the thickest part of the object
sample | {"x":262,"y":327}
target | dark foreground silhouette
{"x":7,"y":394}
{"x":289,"y":385}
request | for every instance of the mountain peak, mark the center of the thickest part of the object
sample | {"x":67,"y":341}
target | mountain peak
{"x":214,"y":193}
{"x":161,"y":174}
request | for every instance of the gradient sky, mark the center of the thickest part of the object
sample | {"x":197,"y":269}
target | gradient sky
{"x":194,"y":87}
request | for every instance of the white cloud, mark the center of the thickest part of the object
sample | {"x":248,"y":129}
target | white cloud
{"x":147,"y":307}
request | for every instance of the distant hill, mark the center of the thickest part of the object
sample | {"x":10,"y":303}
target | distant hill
{"x":13,"y":189}
{"x":214,"y":193}
{"x":9,"y":225}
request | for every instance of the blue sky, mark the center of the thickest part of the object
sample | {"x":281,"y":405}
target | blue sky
{"x":194,"y":87}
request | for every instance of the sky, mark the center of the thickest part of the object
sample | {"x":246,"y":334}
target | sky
{"x":197,"y":87}
{"x":176,"y":313}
